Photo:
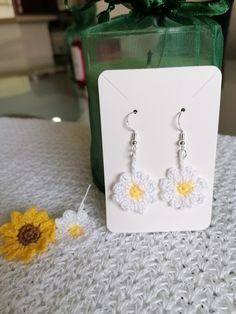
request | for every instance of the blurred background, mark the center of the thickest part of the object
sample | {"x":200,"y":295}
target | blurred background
{"x":40,"y":62}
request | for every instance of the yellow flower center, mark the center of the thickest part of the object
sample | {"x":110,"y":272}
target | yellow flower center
{"x":75,"y":230}
{"x":136,"y":192}
{"x":184,"y":188}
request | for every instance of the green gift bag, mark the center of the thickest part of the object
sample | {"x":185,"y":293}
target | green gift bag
{"x":157,"y":33}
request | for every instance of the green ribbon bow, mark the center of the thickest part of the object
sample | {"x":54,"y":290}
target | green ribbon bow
{"x":178,"y":7}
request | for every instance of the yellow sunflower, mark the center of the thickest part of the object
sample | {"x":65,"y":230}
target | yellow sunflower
{"x":26,"y":234}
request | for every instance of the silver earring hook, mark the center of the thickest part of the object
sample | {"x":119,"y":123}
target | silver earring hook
{"x":133,"y":141}
{"x":178,"y":120}
{"x":127,"y":124}
{"x":181,"y":142}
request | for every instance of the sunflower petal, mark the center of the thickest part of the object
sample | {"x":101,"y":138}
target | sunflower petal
{"x":30,"y":214}
{"x":10,"y":241}
{"x":5,"y":228}
{"x":48,"y":236}
{"x":13,"y":252}
{"x":16,"y":220}
{"x":27,"y":255}
{"x":47,"y":225}
{"x":11,"y":247}
{"x":40,"y":218}
{"x":41,"y":246}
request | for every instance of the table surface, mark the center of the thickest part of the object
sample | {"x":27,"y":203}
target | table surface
{"x":47,"y":164}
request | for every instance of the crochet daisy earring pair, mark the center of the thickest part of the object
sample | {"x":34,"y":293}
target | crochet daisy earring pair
{"x":136,"y":190}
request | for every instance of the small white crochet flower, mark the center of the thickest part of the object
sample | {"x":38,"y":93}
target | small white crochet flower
{"x":182,"y":188}
{"x":135,"y":193}
{"x":72,"y":225}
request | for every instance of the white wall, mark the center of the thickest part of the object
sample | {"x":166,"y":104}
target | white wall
{"x":119,"y":9}
{"x":6,"y":11}
{"x":12,"y":53}
{"x":37,"y":44}
{"x":24,"y":46}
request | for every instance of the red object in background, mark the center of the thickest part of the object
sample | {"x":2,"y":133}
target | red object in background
{"x":78,"y":62}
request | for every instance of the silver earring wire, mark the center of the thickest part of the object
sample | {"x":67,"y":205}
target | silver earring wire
{"x":127,"y":124}
{"x":133,"y":141}
{"x":178,"y":120}
{"x":181,"y":143}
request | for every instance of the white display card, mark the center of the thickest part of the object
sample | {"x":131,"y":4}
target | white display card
{"x":158,"y":95}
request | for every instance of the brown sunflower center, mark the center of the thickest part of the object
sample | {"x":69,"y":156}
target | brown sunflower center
{"x":28,"y":234}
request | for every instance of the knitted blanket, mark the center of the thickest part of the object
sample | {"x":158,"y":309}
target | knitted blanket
{"x":47,"y":164}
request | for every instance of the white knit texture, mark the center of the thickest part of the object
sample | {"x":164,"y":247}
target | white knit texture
{"x":47,"y":165}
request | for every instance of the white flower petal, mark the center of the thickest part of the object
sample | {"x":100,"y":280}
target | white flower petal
{"x":167,"y":186}
{"x":149,"y":187}
{"x":176,"y":202}
{"x":125,"y":177}
{"x":200,"y":184}
{"x":59,"y":222}
{"x":152,"y":198}
{"x":193,"y":198}
{"x":191,"y":174}
{"x":165,"y":183}
{"x":175,"y":176}
{"x":187,"y":201}
{"x":69,"y":215}
{"x":117,"y":197}
{"x":139,"y":209}
{"x":126,"y":204}
{"x":120,"y":191}
{"x":142,"y":177}
{"x":117,"y":188}
{"x":69,"y":218}
{"x":165,"y":196}
{"x":81,"y":216}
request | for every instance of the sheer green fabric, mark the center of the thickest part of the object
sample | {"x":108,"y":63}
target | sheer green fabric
{"x":82,"y":18}
{"x":154,"y":35}
{"x":178,"y":7}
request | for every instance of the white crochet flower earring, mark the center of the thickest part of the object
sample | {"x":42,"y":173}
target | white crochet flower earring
{"x":182,"y":187}
{"x":73,"y":224}
{"x":135,"y":190}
